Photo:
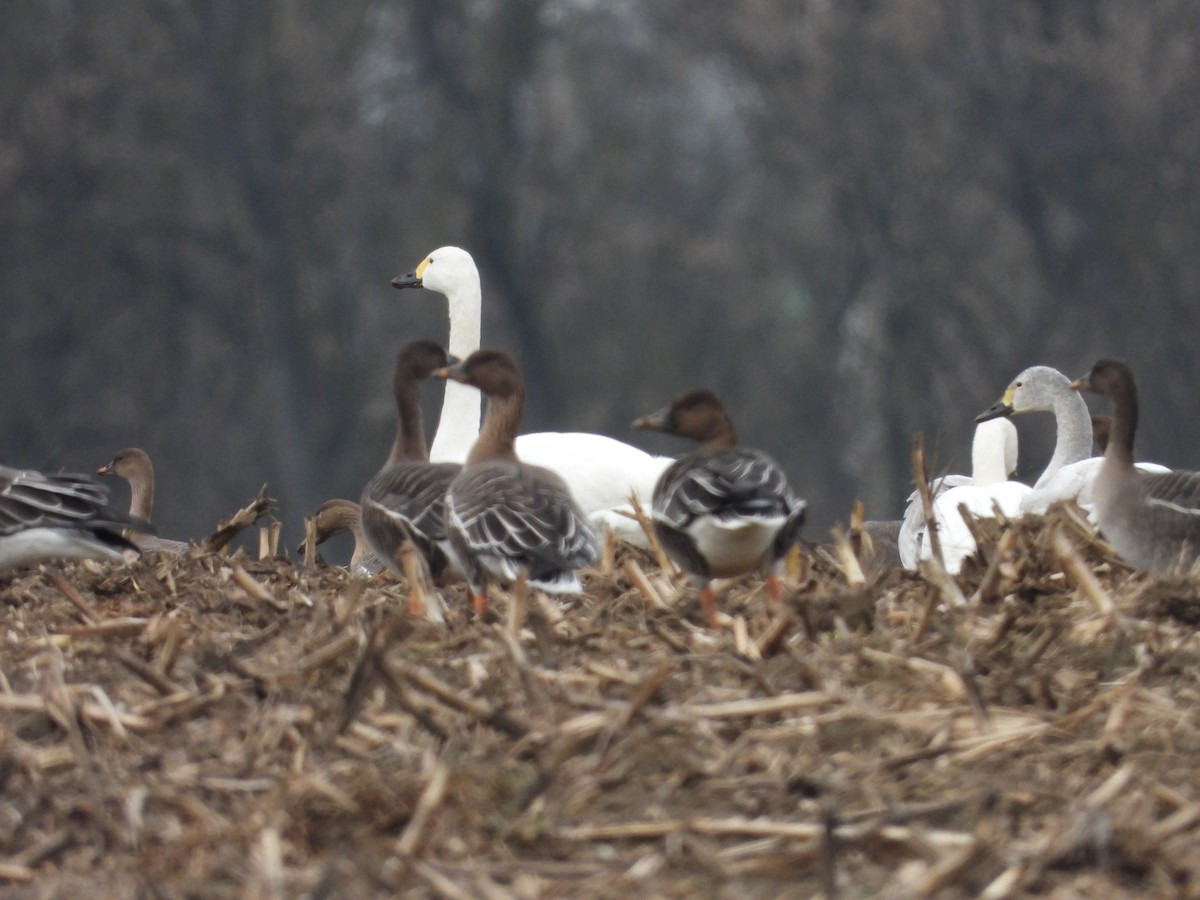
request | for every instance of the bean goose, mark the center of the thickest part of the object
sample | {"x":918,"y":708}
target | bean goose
{"x":993,"y":459}
{"x":505,"y":516}
{"x":1152,"y":520}
{"x":338,"y":516}
{"x":601,"y":471}
{"x":58,"y":517}
{"x":723,"y":510}
{"x":133,"y":466}
{"x":1072,"y":469}
{"x":407,"y":498}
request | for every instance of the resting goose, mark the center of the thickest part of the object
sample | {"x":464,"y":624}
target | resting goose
{"x":1152,"y":520}
{"x":993,"y":459}
{"x":407,"y":498}
{"x":58,"y":517}
{"x":504,"y":515}
{"x":1072,"y":468}
{"x":600,"y":471}
{"x":133,"y":465}
{"x":337,"y":516}
{"x":884,"y":550}
{"x":723,"y":510}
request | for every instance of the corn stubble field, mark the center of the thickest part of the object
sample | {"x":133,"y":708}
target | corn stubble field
{"x":209,"y":725}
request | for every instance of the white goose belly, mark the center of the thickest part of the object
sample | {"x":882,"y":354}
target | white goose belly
{"x":731,"y":548}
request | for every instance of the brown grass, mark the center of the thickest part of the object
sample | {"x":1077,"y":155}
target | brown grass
{"x":214,"y":726}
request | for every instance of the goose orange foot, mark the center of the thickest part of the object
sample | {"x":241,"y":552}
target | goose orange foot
{"x":774,"y":587}
{"x":709,"y":605}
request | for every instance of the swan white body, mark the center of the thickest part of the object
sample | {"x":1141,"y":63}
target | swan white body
{"x":912,"y":526}
{"x":993,"y":457}
{"x":600,"y":471}
{"x":1074,"y":481}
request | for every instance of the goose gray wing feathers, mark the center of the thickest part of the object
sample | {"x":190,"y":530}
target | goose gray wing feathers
{"x":408,"y":499}
{"x":738,"y":484}
{"x":503,"y":517}
{"x":58,"y":516}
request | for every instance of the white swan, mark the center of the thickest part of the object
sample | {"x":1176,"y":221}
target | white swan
{"x":993,"y":458}
{"x":601,"y":471}
{"x":1072,"y":469}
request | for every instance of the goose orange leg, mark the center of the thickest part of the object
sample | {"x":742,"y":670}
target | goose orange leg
{"x":774,"y":587}
{"x":479,"y":604}
{"x":709,"y":605}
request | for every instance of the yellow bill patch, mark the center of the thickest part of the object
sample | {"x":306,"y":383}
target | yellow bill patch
{"x":1006,"y":399}
{"x":420,"y":273}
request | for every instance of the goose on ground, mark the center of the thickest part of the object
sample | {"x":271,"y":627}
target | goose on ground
{"x":505,"y":516}
{"x":407,"y":497}
{"x":1072,"y":469}
{"x":1152,"y":520}
{"x":993,"y":460}
{"x":338,"y":516}
{"x":133,"y":466}
{"x":46,"y":517}
{"x":601,"y":471}
{"x":723,"y":510}
{"x":884,"y":551}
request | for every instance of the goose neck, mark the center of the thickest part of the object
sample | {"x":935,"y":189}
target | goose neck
{"x":409,"y":443}
{"x":141,"y":494}
{"x":1124,"y":426}
{"x":497,"y":437}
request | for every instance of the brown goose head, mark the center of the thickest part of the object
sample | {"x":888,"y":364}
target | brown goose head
{"x":130,"y":464}
{"x":696,"y":414}
{"x":493,"y":372}
{"x":416,"y":361}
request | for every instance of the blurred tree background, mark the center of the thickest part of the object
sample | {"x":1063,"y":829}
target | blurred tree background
{"x":855,"y":221}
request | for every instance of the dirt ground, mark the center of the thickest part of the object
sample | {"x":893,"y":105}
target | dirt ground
{"x":210,"y":726}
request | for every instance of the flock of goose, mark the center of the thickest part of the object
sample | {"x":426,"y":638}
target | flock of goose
{"x":486,"y":505}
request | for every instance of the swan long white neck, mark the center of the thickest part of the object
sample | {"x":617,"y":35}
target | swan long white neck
{"x":1073,"y":424}
{"x":993,"y":452}
{"x":458,"y":426}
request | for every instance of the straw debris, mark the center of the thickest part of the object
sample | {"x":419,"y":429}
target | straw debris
{"x":219,"y":726}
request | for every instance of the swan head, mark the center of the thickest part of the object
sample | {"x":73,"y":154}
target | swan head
{"x":1036,"y":389}
{"x":447,"y":270}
